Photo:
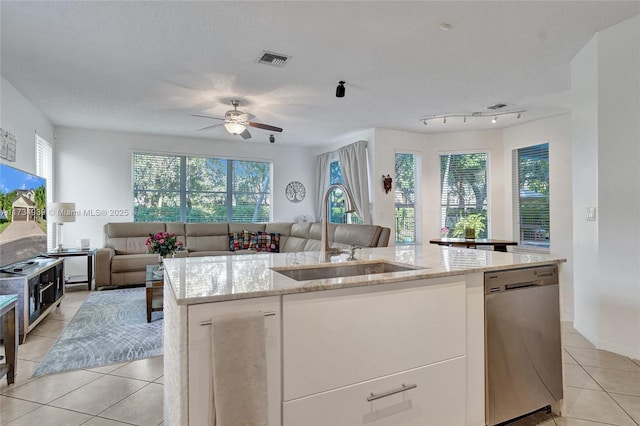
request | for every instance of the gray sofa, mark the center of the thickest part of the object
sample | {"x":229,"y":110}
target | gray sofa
{"x":123,"y":259}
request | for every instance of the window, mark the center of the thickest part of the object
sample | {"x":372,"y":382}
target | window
{"x":464,"y":189}
{"x":407,"y":177}
{"x":172,"y":188}
{"x":531,"y":195}
{"x":336,"y":198}
{"x":44,"y":168}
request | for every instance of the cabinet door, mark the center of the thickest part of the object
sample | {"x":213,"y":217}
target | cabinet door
{"x":340,"y":337}
{"x":438,"y":399}
{"x":199,"y":349}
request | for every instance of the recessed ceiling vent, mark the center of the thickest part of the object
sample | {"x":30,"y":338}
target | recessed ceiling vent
{"x":496,"y":106}
{"x":275,"y":59}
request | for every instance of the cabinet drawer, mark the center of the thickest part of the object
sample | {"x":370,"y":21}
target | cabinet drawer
{"x":341,"y":337}
{"x":438,"y":398}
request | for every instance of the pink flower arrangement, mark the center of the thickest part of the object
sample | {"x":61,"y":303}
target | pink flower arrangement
{"x":163,"y":243}
{"x":444,"y":231}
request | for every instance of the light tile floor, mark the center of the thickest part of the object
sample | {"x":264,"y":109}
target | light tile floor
{"x":601,"y":388}
{"x":122,"y":394}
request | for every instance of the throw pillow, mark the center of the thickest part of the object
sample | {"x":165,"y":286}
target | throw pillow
{"x":269,"y":242}
{"x":235,"y":241}
{"x":249,"y":240}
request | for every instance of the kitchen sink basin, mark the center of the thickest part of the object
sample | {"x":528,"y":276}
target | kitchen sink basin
{"x":339,"y":270}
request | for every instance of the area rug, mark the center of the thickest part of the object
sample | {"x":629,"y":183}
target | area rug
{"x":109,"y":328}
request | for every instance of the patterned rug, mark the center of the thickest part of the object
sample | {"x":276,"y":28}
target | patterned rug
{"x":109,"y":328}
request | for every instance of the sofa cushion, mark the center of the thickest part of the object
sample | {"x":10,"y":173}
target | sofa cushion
{"x":206,"y":237}
{"x":359,"y":235}
{"x":132,"y":262}
{"x":130,"y":237}
{"x":242,"y":226}
{"x":211,"y":253}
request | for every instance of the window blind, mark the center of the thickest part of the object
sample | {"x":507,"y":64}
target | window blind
{"x":531,"y":222}
{"x":408,"y":169}
{"x":175,"y":188}
{"x":44,"y":168}
{"x":464,"y":189}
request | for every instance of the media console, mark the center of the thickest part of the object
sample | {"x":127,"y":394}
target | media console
{"x":39,"y":284}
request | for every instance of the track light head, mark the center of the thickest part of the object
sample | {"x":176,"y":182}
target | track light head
{"x":340,"y":89}
{"x":519,"y":115}
{"x":444,"y":121}
{"x":425,"y":122}
{"x":495,"y":119}
{"x":272,"y":139}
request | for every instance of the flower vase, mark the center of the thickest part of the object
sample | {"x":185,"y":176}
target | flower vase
{"x":160,"y":263}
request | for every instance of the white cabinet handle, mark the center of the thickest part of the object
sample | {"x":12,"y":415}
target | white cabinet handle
{"x":404,"y":387}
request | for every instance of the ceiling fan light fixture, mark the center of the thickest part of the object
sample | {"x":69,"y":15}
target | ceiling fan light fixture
{"x":235,"y":128}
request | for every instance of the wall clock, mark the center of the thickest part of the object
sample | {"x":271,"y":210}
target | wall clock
{"x":295,"y":192}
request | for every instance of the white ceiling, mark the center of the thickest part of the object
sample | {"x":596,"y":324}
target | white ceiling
{"x":146,"y":66}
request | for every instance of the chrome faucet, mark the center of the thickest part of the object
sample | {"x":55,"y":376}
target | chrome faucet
{"x":326,"y":251}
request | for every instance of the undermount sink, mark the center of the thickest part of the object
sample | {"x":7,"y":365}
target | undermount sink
{"x":339,"y":270}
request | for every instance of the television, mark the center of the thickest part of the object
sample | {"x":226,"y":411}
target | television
{"x":23,"y":220}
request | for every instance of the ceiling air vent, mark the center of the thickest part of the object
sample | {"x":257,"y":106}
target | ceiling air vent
{"x":275,"y":59}
{"x":496,"y":106}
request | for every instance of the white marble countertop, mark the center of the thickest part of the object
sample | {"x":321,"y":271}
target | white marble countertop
{"x":217,"y":278}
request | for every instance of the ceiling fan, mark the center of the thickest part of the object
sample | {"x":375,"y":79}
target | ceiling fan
{"x":236,"y":122}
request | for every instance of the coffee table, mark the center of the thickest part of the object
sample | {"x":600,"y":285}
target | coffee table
{"x":154,"y":289}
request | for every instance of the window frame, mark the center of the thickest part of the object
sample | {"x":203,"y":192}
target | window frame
{"x":487,"y":202}
{"x":529,"y":245}
{"x":183,"y":192}
{"x":417,"y":202}
{"x":44,"y":168}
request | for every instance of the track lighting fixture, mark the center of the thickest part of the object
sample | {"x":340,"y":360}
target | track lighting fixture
{"x":494,"y":116}
{"x":340,"y":89}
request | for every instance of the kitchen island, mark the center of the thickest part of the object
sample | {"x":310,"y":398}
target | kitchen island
{"x":402,"y":347}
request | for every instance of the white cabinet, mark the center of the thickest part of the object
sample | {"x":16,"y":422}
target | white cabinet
{"x":340,"y":337}
{"x":329,"y":351}
{"x":199,"y":354}
{"x":431,"y":395}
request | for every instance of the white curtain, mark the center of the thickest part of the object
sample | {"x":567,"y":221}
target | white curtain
{"x":324,"y":161}
{"x":353,"y":164}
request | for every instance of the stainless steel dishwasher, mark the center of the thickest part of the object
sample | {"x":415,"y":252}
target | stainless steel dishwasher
{"x":523,"y":353}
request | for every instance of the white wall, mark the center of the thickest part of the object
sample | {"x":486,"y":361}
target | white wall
{"x":429,"y":147}
{"x":557,"y":132}
{"x":606,"y":122}
{"x":94,"y":171}
{"x":21,"y":118}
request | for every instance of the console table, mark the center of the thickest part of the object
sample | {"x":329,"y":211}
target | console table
{"x":10,"y":338}
{"x":39,"y":284}
{"x":498,"y":245}
{"x":72,"y":252}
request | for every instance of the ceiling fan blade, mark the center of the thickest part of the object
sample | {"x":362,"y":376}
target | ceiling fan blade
{"x":245,"y":134}
{"x":264,"y":126}
{"x":211,"y":127}
{"x":206,"y":116}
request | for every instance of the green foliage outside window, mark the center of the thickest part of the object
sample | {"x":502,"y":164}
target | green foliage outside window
{"x":463,"y":180}
{"x":170,"y":188}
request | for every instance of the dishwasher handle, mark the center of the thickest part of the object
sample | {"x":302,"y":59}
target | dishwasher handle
{"x":520,"y":285}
